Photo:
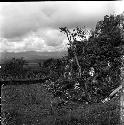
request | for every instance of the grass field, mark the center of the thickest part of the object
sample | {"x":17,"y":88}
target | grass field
{"x":30,"y":105}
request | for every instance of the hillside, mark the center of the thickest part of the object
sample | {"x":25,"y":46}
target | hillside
{"x":32,"y":55}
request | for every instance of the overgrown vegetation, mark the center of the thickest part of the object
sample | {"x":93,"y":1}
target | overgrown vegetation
{"x":89,"y":73}
{"x":92,"y":69}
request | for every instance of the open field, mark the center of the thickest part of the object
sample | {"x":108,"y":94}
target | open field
{"x":30,"y":105}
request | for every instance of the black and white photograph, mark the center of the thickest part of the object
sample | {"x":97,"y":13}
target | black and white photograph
{"x":62,"y":62}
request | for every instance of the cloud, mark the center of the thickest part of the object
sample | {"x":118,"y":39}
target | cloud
{"x":32,"y":42}
{"x":21,"y":18}
{"x":34,"y":25}
{"x":52,"y":37}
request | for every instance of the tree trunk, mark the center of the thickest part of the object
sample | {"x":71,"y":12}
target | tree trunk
{"x":79,"y":67}
{"x":75,"y":56}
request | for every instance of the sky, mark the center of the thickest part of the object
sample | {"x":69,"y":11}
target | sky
{"x":34,"y":26}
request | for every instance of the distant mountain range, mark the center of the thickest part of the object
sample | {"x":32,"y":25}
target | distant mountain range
{"x":32,"y":55}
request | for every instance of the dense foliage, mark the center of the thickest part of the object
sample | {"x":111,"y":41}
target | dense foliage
{"x":13,"y":68}
{"x":99,"y":58}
